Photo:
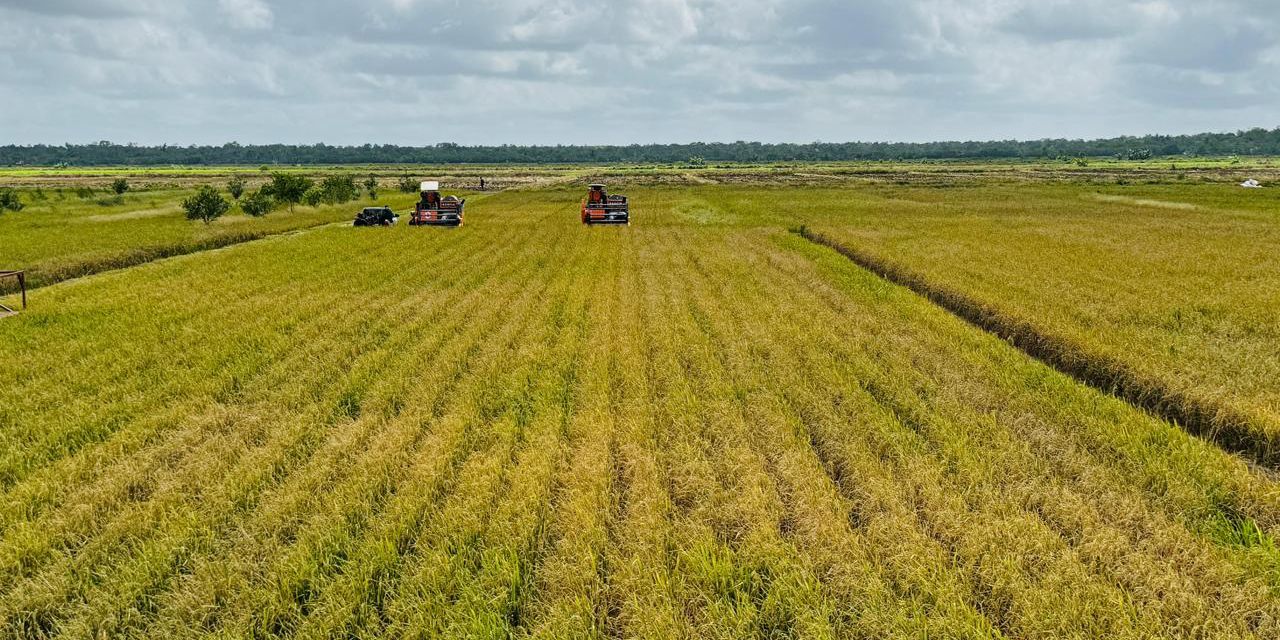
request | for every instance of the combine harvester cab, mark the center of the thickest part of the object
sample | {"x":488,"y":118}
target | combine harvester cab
{"x":434,"y":211}
{"x":602,"y":208}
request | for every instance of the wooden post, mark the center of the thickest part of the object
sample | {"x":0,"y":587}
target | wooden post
{"x":22,"y":285}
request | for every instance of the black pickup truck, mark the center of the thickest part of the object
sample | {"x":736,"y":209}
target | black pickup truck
{"x":376,"y":217}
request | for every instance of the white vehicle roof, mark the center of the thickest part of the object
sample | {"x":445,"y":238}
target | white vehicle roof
{"x":431,"y":186}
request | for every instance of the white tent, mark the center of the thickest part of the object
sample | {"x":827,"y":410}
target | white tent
{"x":1251,"y":184}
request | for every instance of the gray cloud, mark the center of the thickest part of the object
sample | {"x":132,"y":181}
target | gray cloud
{"x":1062,"y":20}
{"x":573,"y":71}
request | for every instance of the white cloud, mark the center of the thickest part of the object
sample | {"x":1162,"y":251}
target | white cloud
{"x":247,"y":14}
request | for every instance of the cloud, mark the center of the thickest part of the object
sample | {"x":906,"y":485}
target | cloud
{"x":83,"y":8}
{"x":1083,"y":20}
{"x":247,"y":14}
{"x":576,"y":71}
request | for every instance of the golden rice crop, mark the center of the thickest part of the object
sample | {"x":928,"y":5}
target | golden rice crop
{"x":1167,"y":294}
{"x":63,"y":237}
{"x":699,"y":426}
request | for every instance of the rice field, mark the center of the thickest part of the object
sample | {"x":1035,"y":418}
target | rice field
{"x":699,"y":426}
{"x":1168,"y":292}
{"x":59,"y":236}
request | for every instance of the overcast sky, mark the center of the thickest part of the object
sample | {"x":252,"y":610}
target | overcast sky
{"x":577,"y":71}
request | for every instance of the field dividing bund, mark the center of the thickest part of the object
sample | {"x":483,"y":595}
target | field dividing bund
{"x":699,"y":426}
{"x":1223,"y":425}
{"x":1163,"y":295}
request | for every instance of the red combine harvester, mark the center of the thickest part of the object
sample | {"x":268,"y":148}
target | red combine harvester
{"x":602,"y":208}
{"x":432,"y":210}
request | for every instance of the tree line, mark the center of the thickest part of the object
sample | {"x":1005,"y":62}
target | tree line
{"x":1254,"y":142}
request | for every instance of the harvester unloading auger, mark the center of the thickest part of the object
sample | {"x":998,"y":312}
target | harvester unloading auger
{"x":432,"y":210}
{"x":602,"y":208}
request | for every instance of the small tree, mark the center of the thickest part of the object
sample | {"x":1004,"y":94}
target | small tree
{"x":9,"y":200}
{"x":313,"y":197}
{"x":339,"y":189}
{"x":407,"y":185}
{"x":236,"y":187}
{"x":371,"y":187}
{"x":1138,"y":154}
{"x":257,"y":204}
{"x":288,"y":188}
{"x":120,"y":185}
{"x":207,"y":205}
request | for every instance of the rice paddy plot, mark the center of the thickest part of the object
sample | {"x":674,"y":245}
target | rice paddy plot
{"x":1167,"y":293}
{"x":698,"y":426}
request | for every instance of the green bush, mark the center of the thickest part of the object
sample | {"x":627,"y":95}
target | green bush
{"x":258,"y":204}
{"x":206,"y":205}
{"x":9,"y":200}
{"x":313,"y":197}
{"x":339,"y":189}
{"x":236,"y":187}
{"x":119,"y":186}
{"x":287,"y":188}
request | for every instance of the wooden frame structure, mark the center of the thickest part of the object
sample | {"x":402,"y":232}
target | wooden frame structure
{"x":21,"y":277}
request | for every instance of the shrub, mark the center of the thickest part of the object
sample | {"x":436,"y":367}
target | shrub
{"x":258,"y":204}
{"x":313,"y":197}
{"x":371,"y":187}
{"x":407,"y":184}
{"x":206,"y":205}
{"x":236,"y":187}
{"x":119,"y":186}
{"x":84,"y":193}
{"x":288,"y":188}
{"x":9,"y":200}
{"x":339,"y":189}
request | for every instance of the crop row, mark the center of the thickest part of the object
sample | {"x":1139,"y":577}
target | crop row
{"x":695,"y":428}
{"x":1166,"y":295}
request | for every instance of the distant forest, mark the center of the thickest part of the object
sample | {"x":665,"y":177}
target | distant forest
{"x":1255,"y":142}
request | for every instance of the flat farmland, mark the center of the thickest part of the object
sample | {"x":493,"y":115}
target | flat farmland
{"x":703,"y":425}
{"x":1169,"y":292}
{"x":61,"y":236}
